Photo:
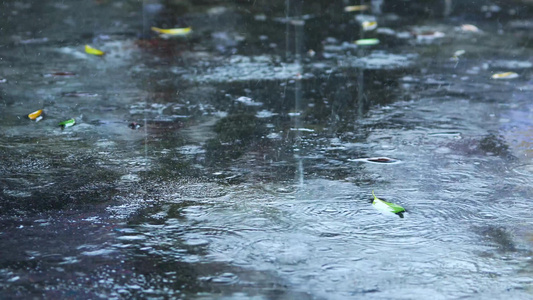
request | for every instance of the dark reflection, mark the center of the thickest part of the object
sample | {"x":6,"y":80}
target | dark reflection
{"x":490,"y":145}
{"x":494,"y":145}
{"x":235,"y":134}
{"x":498,"y":236}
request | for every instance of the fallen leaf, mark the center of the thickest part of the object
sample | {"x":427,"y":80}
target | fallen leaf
{"x":385,"y":206}
{"x":36,"y":114}
{"x":505,"y":75}
{"x":67,"y":123}
{"x":93,"y":51}
{"x":353,"y":8}
{"x":367,"y":42}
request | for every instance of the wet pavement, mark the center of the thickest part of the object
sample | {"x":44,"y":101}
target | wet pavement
{"x":231,"y":163}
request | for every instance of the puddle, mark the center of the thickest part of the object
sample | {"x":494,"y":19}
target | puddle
{"x":239,"y":162}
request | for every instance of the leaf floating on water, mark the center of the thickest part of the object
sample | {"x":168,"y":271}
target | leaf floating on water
{"x":382,"y":160}
{"x":385,"y":206}
{"x":67,"y":123}
{"x":60,"y":74}
{"x":505,"y":75}
{"x":36,"y":115}
{"x":369,"y":25}
{"x":458,"y":53}
{"x":367,"y":42}
{"x":173,"y":31}
{"x":469,"y":28}
{"x":93,"y":51}
{"x":378,"y":160}
{"x":353,"y":8}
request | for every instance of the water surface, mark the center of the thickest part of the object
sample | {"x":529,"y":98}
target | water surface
{"x":232,"y":163}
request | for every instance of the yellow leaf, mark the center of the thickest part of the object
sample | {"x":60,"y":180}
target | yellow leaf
{"x":34,"y":115}
{"x":173,"y":31}
{"x":369,"y":25}
{"x":505,"y":75}
{"x":355,"y":8}
{"x":93,"y":51}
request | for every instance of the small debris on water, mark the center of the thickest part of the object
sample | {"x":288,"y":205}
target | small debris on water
{"x":505,"y":75}
{"x":60,"y":74}
{"x":134,"y":125}
{"x":378,"y":160}
{"x":469,"y":28}
{"x":353,"y":8}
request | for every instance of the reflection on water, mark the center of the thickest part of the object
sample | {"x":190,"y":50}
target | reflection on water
{"x":260,"y":138}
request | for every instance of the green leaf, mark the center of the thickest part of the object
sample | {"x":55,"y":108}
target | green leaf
{"x":367,"y":42}
{"x":386,"y":206}
{"x":67,"y":123}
